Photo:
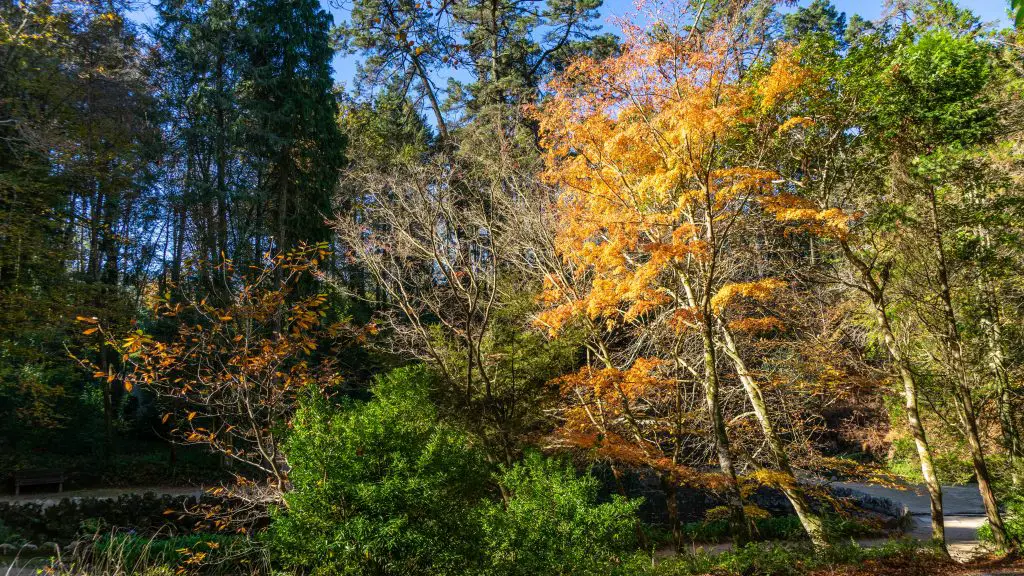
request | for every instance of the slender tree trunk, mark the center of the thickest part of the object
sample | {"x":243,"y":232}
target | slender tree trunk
{"x":283,"y":242}
{"x":108,"y":403}
{"x":991,"y":321}
{"x":988,"y":496}
{"x":811,"y":522}
{"x":93,"y":270}
{"x":1007,"y":421}
{"x":179,"y":245}
{"x":924,"y":453}
{"x":961,"y":388}
{"x":222,"y":158}
{"x":734,"y":500}
{"x":428,"y":89}
{"x":903,"y":368}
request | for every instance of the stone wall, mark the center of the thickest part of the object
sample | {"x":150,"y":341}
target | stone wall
{"x":694,"y":503}
{"x":74,"y":518}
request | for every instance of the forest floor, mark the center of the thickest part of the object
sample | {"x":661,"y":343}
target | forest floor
{"x":963,"y":507}
{"x":883,"y":568}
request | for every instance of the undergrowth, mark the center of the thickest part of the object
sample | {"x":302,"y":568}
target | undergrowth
{"x":773,"y":559}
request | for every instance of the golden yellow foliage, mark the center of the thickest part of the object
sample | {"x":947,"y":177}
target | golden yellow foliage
{"x":760,"y":290}
{"x":648,"y":150}
{"x":630,"y":143}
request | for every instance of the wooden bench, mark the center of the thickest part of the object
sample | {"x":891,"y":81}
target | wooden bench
{"x":38,"y":478}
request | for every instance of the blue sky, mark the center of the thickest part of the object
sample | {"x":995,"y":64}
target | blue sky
{"x":988,"y":10}
{"x":345,"y":65}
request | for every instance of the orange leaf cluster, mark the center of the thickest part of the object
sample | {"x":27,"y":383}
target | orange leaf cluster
{"x":629,"y":141}
{"x":613,"y":385}
{"x":804,"y":216}
{"x":761,"y":291}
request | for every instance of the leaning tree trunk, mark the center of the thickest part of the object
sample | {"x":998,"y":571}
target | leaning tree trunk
{"x":903,"y":368}
{"x":734,"y":500}
{"x":924,"y":453}
{"x":991,"y":322}
{"x":811,"y":522}
{"x":961,"y":389}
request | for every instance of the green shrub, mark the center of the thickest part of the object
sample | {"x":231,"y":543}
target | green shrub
{"x":553,"y":523}
{"x":9,"y":535}
{"x":386,"y":487}
{"x":1013,"y":519}
{"x":381,"y":487}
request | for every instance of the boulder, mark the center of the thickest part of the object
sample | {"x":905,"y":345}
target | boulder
{"x":50,"y":547}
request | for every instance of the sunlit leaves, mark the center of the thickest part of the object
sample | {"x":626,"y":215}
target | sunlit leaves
{"x":650,"y":152}
{"x":237,"y":361}
{"x":631,"y":141}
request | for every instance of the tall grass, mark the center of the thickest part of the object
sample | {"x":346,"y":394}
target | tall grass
{"x":123,"y":554}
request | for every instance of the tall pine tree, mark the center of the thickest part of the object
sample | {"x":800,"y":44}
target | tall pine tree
{"x":291,"y":116}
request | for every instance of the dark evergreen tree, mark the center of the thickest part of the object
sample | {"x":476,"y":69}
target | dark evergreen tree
{"x":198,"y":60}
{"x":77,"y":207}
{"x":291,"y":117}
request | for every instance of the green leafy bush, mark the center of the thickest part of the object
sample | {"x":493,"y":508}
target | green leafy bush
{"x":553,"y":524}
{"x":1013,"y":519}
{"x":386,"y":487}
{"x":381,"y":487}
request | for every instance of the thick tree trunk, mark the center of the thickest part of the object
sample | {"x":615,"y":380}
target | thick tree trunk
{"x":671,"y":491}
{"x":811,"y":522}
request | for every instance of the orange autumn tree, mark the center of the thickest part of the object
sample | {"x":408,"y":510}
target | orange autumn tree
{"x":232,"y":370}
{"x":656,"y":153}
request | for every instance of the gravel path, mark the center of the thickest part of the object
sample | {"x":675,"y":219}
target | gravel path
{"x":963,"y":513}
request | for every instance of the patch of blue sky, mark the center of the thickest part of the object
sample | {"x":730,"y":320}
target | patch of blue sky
{"x":995,"y":12}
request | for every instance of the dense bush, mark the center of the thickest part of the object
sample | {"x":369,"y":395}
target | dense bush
{"x":381,"y":487}
{"x":385,"y":487}
{"x":553,"y":524}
